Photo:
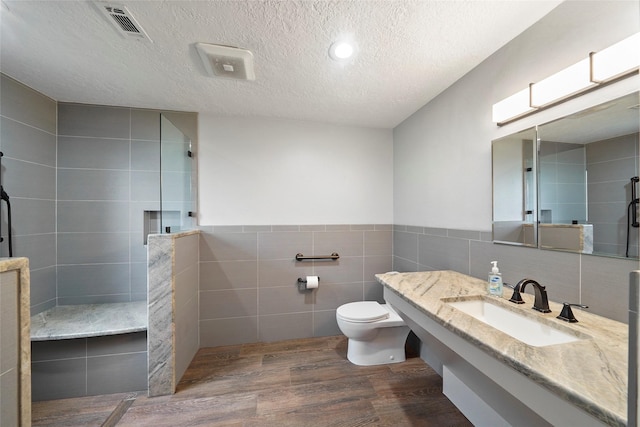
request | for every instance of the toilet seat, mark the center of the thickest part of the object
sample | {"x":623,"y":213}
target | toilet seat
{"x":363,"y":312}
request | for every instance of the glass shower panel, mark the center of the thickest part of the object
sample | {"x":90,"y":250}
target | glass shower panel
{"x":176,"y":195}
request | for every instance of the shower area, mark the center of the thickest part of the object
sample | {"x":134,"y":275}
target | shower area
{"x":87,"y":185}
{"x":121,"y":174}
{"x":117,"y":182}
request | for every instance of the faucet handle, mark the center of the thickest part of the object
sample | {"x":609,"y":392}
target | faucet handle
{"x":567,"y":314}
{"x":516,"y":297}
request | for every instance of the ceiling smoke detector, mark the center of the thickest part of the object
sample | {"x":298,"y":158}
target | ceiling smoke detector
{"x":125,"y":24}
{"x":226,"y":61}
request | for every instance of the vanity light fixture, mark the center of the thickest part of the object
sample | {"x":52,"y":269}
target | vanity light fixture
{"x":515,"y":106}
{"x":619,"y":60}
{"x":616,"y":60}
{"x":568,"y":82}
{"x":341,"y":50}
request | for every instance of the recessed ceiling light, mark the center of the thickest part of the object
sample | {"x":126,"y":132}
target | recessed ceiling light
{"x":341,"y":50}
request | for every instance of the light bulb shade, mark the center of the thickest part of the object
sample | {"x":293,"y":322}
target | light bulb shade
{"x":563,"y":84}
{"x":617,"y":60}
{"x":512,"y":107}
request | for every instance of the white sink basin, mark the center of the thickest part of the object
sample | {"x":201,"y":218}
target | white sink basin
{"x":519,"y":326}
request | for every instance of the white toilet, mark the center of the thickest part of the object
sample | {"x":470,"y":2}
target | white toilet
{"x":377,"y":334}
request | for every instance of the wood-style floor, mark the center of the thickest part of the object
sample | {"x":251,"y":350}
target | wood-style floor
{"x":291,"y":383}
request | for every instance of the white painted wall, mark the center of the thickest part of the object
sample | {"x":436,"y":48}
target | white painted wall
{"x":264,"y":171}
{"x":434,"y":170}
{"x":442,"y":153}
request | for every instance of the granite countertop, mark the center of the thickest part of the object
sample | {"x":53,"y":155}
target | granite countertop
{"x":590,"y":373}
{"x":89,"y":320}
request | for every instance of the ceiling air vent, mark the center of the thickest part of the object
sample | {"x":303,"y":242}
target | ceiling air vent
{"x":122,"y":20}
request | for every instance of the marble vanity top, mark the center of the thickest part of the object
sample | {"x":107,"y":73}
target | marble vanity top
{"x":590,"y":373}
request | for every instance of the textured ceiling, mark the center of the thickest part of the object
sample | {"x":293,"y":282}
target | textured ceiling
{"x":408,"y":52}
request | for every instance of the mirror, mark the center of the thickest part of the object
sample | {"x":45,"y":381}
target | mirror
{"x":578,"y":189}
{"x":588,"y":169}
{"x":514,"y":189}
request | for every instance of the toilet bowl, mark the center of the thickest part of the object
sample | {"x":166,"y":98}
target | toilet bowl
{"x":376,"y":333}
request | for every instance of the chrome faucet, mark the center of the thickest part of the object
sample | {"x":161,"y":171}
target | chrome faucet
{"x":541,"y":302}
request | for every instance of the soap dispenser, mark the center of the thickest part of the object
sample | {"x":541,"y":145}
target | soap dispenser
{"x":495,"y":280}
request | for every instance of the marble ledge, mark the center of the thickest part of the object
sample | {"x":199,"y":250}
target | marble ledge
{"x":175,"y":235}
{"x":21,"y":266}
{"x":9,"y":264}
{"x":89,"y":320}
{"x":590,"y":373}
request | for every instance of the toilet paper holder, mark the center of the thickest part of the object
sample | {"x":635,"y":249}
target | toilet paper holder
{"x":302,"y":284}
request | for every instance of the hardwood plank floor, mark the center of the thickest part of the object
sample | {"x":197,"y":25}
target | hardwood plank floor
{"x":307,"y":382}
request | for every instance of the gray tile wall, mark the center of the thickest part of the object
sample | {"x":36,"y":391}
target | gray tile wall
{"x":108,"y":175}
{"x":611,"y":164}
{"x":28,"y":141}
{"x":89,"y":366}
{"x":562,"y":181}
{"x":248,"y":279}
{"x":599,"y":282}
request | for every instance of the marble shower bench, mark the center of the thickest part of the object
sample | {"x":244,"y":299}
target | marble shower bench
{"x":88,"y":350}
{"x":89,"y":320}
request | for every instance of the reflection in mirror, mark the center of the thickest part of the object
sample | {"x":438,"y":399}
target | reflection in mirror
{"x":588,"y":162}
{"x":514,"y":189}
